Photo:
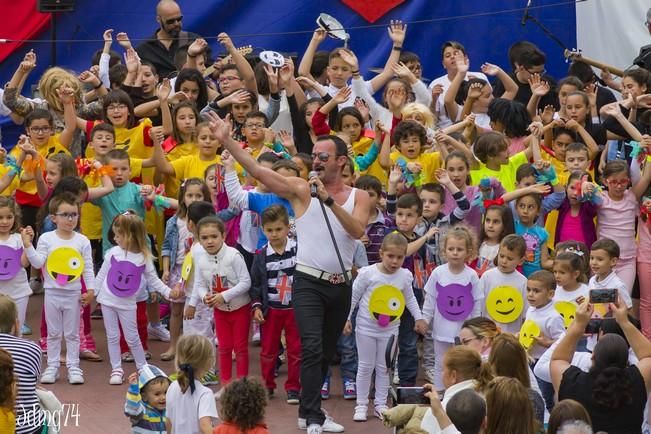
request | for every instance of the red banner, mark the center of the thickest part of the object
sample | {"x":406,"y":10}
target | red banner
{"x":372,"y":10}
{"x":21,"y":21}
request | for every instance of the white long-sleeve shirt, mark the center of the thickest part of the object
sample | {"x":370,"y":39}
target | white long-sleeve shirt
{"x":460,"y":291}
{"x":64,"y":261}
{"x":133,"y":273}
{"x":13,"y":277}
{"x":382,"y":298}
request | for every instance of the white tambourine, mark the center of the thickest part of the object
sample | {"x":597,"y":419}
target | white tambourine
{"x":333,"y":27}
{"x":272,"y":58}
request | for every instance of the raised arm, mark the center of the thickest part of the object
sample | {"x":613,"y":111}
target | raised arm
{"x":640,"y":186}
{"x":613,"y":109}
{"x":67,"y":98}
{"x":562,"y":355}
{"x":12,"y":97}
{"x":161,"y":163}
{"x":539,"y":88}
{"x":305,"y":66}
{"x":163,"y":94}
{"x":243,"y":66}
{"x":510,"y":86}
{"x":397,"y":32}
{"x":197,"y":47}
{"x":449,"y":100}
{"x":288,"y":188}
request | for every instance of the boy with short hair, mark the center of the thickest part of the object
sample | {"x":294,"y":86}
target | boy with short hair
{"x":504,"y":287}
{"x":577,"y":157}
{"x":541,"y":286}
{"x":378,"y":224}
{"x":604,"y":255}
{"x":145,"y":403}
{"x":271,"y":294}
{"x":66,"y":256}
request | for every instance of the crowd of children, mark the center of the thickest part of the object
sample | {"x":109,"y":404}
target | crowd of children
{"x":506,"y":202}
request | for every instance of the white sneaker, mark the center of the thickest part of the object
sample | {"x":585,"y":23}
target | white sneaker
{"x":329,"y":425}
{"x":379,"y":411}
{"x":158,"y":332}
{"x":117,"y":377}
{"x":255,"y":338}
{"x":50,"y":376}
{"x":360,"y":413}
{"x":75,"y":375}
{"x":314,"y":428}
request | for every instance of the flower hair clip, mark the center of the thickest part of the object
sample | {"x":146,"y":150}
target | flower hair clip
{"x":575,"y":251}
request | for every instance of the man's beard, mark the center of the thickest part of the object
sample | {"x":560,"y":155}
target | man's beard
{"x":172,"y":32}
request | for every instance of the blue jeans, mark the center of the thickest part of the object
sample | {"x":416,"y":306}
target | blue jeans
{"x":546,"y":390}
{"x":347,"y":348}
{"x":407,"y":340}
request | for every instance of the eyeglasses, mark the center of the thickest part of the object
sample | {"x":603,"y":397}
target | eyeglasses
{"x":115,"y":107}
{"x":254,"y":126}
{"x":40,"y":130}
{"x":171,"y":21}
{"x":322,"y":156}
{"x":458,"y":341}
{"x":541,"y":72}
{"x":620,"y":183}
{"x":67,"y":215}
{"x":228,"y":78}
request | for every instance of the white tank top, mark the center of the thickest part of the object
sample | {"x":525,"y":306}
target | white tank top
{"x":315,"y":248}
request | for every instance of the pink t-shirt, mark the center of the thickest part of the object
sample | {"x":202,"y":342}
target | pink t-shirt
{"x":517,"y":145}
{"x":644,"y":244}
{"x":616,"y":220}
{"x":571,"y":229}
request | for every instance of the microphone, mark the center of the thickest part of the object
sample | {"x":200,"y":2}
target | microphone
{"x":313,"y":174}
{"x":525,"y":16}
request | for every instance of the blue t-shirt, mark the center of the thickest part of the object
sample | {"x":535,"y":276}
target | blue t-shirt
{"x":123,"y":198}
{"x":258,"y":202}
{"x":536,"y":238}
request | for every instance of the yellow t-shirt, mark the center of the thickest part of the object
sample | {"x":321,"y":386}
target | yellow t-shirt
{"x":181,"y":150}
{"x":429,"y":162}
{"x":506,"y":174}
{"x":361,"y":147}
{"x":134,"y":140}
{"x":7,"y":420}
{"x":191,"y":166}
{"x":52,"y":147}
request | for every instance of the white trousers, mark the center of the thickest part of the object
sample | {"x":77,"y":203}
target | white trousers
{"x":370,"y":356}
{"x":21,"y":306}
{"x":440,"y":348}
{"x":113,"y":318}
{"x":202,"y":323}
{"x":62,"y":319}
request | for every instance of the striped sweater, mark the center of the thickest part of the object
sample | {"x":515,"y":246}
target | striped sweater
{"x":145,"y":419}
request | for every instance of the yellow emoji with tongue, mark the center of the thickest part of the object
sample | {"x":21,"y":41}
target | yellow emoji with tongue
{"x":386,"y":304}
{"x":64,"y":265}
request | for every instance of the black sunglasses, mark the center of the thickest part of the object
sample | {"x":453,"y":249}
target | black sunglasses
{"x":171,"y":21}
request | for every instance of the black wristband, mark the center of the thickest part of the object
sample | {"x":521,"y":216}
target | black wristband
{"x":99,"y":85}
{"x":356,"y":72}
{"x":329,"y":202}
{"x":396,"y":48}
{"x":275,"y":95}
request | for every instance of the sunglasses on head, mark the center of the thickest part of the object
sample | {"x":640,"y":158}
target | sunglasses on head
{"x":171,"y":21}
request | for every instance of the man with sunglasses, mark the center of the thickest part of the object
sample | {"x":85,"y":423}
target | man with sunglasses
{"x":322,"y":290}
{"x":160,"y":49}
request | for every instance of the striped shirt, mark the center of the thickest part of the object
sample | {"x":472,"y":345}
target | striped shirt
{"x":280,"y":274}
{"x":27,"y":367}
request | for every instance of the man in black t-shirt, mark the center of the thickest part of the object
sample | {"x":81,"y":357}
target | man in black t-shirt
{"x":526,"y":60}
{"x":163,"y":45}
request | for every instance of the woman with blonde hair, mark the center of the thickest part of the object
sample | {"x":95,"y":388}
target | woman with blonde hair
{"x":479,"y":333}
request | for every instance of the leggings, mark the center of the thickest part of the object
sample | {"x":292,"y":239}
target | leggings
{"x":625,"y":270}
{"x":371,"y":351}
{"x":233,"y":333}
{"x":114,"y":319}
{"x":440,"y":348}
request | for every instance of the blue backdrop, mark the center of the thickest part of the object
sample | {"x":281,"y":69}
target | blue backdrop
{"x":486,"y":34}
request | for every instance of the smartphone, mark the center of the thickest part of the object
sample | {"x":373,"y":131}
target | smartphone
{"x":412,"y":395}
{"x":603,"y":296}
{"x":593,"y":326}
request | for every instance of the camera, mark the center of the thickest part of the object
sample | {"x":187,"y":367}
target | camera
{"x":412,"y":395}
{"x":603,"y":296}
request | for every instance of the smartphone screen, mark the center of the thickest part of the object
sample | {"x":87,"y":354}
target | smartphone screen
{"x":411,"y":395}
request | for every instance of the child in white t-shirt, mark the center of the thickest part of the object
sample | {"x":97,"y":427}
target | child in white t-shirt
{"x":382,"y":291}
{"x":504,"y":287}
{"x":191,"y":406}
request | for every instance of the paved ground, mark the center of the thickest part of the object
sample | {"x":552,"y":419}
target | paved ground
{"x":99,"y":406}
